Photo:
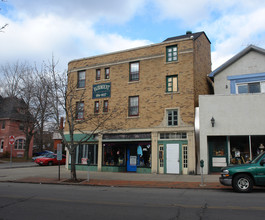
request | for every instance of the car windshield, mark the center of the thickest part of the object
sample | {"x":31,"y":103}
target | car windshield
{"x":257,"y":158}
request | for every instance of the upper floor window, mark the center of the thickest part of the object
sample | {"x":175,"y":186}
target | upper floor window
{"x":20,"y":144}
{"x":3,"y":124}
{"x":81,"y":79}
{"x":172,"y":53}
{"x":21,"y":126}
{"x":134,"y":106}
{"x":106,"y":106}
{"x":255,"y":87}
{"x":172,"y":117}
{"x":79,"y":110}
{"x":96,"y":107}
{"x":98,"y":74}
{"x":107,"y":73}
{"x":1,"y":146}
{"x":134,"y":71}
{"x":172,"y":84}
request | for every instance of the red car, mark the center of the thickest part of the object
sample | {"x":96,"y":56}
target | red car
{"x":50,"y":160}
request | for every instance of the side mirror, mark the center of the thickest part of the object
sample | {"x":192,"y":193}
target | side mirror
{"x":262,"y":162}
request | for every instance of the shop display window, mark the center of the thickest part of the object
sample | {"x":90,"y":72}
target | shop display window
{"x":114,"y":155}
{"x":144,"y":155}
{"x":257,"y":145}
{"x":239,"y":149}
{"x":85,"y":152}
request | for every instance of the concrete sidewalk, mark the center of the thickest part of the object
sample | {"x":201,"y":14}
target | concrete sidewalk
{"x":31,"y":173}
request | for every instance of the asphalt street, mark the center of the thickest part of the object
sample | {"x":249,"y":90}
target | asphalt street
{"x":44,"y":201}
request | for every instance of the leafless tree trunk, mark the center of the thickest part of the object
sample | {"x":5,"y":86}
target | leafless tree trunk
{"x":66,"y":97}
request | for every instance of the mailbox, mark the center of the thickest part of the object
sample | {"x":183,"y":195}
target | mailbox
{"x":201,"y":163}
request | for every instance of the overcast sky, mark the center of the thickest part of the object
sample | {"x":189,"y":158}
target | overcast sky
{"x":72,"y":29}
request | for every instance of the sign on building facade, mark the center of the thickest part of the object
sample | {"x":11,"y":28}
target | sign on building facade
{"x":101,"y":90}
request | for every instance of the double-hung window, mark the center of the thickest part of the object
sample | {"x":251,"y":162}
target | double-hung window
{"x":106,"y":106}
{"x":81,"y":79}
{"x":172,"y":53}
{"x":3,"y":124}
{"x":107,"y":73}
{"x":19,"y":144}
{"x":1,"y":146}
{"x":97,"y":74}
{"x":80,"y":110}
{"x":96,"y":107}
{"x":134,"y":71}
{"x":134,"y":106}
{"x":172,"y":83}
{"x":172,"y":117}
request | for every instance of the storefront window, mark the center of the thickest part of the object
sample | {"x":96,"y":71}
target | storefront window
{"x":87,"y":151}
{"x":239,"y":149}
{"x":144,"y":155}
{"x":257,"y":145}
{"x":114,"y":155}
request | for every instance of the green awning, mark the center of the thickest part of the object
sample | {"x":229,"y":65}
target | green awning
{"x":81,"y":137}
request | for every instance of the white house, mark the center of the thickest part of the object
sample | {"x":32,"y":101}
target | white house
{"x":232,"y":121}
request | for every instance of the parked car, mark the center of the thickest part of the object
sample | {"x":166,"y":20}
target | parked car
{"x":42,"y":154}
{"x":244,"y":176}
{"x":36,"y":154}
{"x":50,"y":160}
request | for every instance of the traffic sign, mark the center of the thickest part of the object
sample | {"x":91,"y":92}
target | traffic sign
{"x":11,"y":139}
{"x":59,"y":151}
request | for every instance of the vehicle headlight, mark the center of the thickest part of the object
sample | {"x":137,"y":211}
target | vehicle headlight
{"x":225,"y":173}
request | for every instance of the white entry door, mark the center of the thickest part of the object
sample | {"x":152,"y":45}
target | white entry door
{"x":173,"y":158}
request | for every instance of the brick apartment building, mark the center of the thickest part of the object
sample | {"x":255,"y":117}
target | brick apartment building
{"x":12,"y":116}
{"x":156,"y":89}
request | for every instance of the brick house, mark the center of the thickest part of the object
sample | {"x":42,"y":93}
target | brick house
{"x":157,"y":87}
{"x":12,"y":116}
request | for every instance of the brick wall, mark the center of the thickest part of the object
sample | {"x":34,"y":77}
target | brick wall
{"x":192,"y":67}
{"x":12,"y":128}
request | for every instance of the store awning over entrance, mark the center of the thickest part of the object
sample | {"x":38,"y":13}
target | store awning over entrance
{"x":81,"y":137}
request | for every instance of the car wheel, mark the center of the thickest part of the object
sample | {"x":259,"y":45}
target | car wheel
{"x":242,"y":183}
{"x":50,"y":163}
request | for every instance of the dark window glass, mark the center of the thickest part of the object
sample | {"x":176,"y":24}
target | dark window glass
{"x":172,"y":53}
{"x":96,"y":107}
{"x":133,"y":106}
{"x":81,"y":79}
{"x":80,"y":110}
{"x":172,"y":116}
{"x":107,"y":73}
{"x":98,"y":74}
{"x":134,"y":71}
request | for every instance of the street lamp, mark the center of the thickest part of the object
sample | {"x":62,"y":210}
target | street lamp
{"x":212,"y":121}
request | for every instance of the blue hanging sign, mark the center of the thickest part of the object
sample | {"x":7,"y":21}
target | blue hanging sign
{"x":101,"y":90}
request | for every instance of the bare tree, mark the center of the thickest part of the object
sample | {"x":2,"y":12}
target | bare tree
{"x":66,"y":98}
{"x":33,"y":86}
{"x":12,"y":78}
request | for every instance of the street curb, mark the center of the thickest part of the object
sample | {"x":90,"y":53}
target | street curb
{"x":124,"y":183}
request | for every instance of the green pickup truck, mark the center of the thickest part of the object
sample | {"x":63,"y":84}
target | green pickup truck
{"x":243,"y":177}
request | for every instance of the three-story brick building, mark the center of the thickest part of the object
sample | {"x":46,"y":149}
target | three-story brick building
{"x":155,"y":90}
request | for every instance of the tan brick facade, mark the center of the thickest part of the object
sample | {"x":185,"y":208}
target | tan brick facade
{"x":191,"y":69}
